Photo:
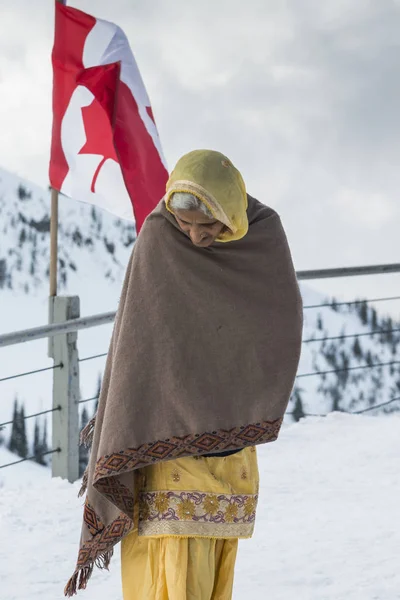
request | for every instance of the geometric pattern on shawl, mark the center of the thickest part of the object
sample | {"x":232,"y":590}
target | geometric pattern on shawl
{"x":189,"y":445}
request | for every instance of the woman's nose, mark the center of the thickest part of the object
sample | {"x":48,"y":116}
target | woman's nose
{"x":196,"y":235}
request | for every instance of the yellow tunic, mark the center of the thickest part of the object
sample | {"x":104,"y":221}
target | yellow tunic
{"x":188,"y":519}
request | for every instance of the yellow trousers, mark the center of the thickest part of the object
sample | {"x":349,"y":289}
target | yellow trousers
{"x":188,"y":519}
{"x":178,"y":569}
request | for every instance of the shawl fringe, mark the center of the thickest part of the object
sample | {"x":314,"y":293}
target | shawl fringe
{"x":84,"y":482}
{"x":86,"y":437}
{"x":80,"y":578}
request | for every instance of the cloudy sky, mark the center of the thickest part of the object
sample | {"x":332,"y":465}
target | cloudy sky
{"x":302,"y":95}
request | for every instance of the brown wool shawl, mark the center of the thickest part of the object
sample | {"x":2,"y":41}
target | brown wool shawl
{"x":202,"y":359}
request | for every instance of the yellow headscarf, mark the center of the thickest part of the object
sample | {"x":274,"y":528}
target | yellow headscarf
{"x":212,"y":178}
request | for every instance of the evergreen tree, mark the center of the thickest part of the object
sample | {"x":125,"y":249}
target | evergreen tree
{"x":13,"y":444}
{"x":44,"y":447}
{"x":298,"y":412}
{"x":389,"y":328}
{"x":83,"y":451}
{"x":364,"y":312}
{"x":40,"y":443}
{"x":36,"y":442}
{"x":343,"y":374}
{"x":357,"y":348}
{"x":33,"y":265}
{"x":23,"y":193}
{"x":23,"y":442}
{"x":3,"y":272}
{"x":18,"y":441}
{"x":336,"y":397}
{"x":374,"y":319}
{"x":319,"y":323}
{"x":22,"y":237}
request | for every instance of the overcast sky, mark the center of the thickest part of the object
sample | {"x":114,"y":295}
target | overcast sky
{"x":302,"y":95}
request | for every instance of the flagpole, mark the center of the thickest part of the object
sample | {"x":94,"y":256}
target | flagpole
{"x":53,"y":242}
{"x":54,"y":233}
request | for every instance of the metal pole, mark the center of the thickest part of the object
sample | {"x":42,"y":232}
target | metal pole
{"x":348,"y":271}
{"x":36,"y":333}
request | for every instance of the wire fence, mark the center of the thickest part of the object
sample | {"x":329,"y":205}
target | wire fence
{"x":332,"y":304}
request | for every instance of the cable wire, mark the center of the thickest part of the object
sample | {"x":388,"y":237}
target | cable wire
{"x":44,"y":412}
{"x":94,"y":356}
{"x":395,"y":362}
{"x":350,"y":412}
{"x":350,"y":335}
{"x":16,"y":462}
{"x":88,"y":400}
{"x":358,"y":412}
{"x":326,"y":304}
{"x":60,"y":366}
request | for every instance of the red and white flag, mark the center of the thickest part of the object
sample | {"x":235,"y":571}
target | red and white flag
{"x":105,"y":146}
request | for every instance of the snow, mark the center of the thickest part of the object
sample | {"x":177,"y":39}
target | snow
{"x":327,"y":522}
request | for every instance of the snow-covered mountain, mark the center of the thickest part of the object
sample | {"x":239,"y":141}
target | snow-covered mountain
{"x":88,"y":237}
{"x":349,"y":388}
{"x":94,"y":248}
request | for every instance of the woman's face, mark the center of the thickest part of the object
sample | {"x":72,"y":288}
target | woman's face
{"x":202,"y":230}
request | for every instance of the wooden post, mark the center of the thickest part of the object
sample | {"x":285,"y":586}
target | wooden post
{"x":64,"y":351}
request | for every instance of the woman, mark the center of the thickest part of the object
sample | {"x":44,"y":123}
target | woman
{"x":201,"y":365}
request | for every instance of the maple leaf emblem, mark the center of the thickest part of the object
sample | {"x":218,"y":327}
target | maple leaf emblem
{"x":99,"y":136}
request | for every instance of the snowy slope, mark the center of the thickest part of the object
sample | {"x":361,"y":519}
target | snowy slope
{"x":326,"y":529}
{"x":30,"y":472}
{"x":91,"y":242}
{"x":352,"y":389}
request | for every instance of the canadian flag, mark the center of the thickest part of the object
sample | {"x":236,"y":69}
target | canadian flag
{"x":105,"y":146}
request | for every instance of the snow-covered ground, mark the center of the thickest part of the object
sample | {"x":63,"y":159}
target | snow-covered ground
{"x":327,"y":525}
